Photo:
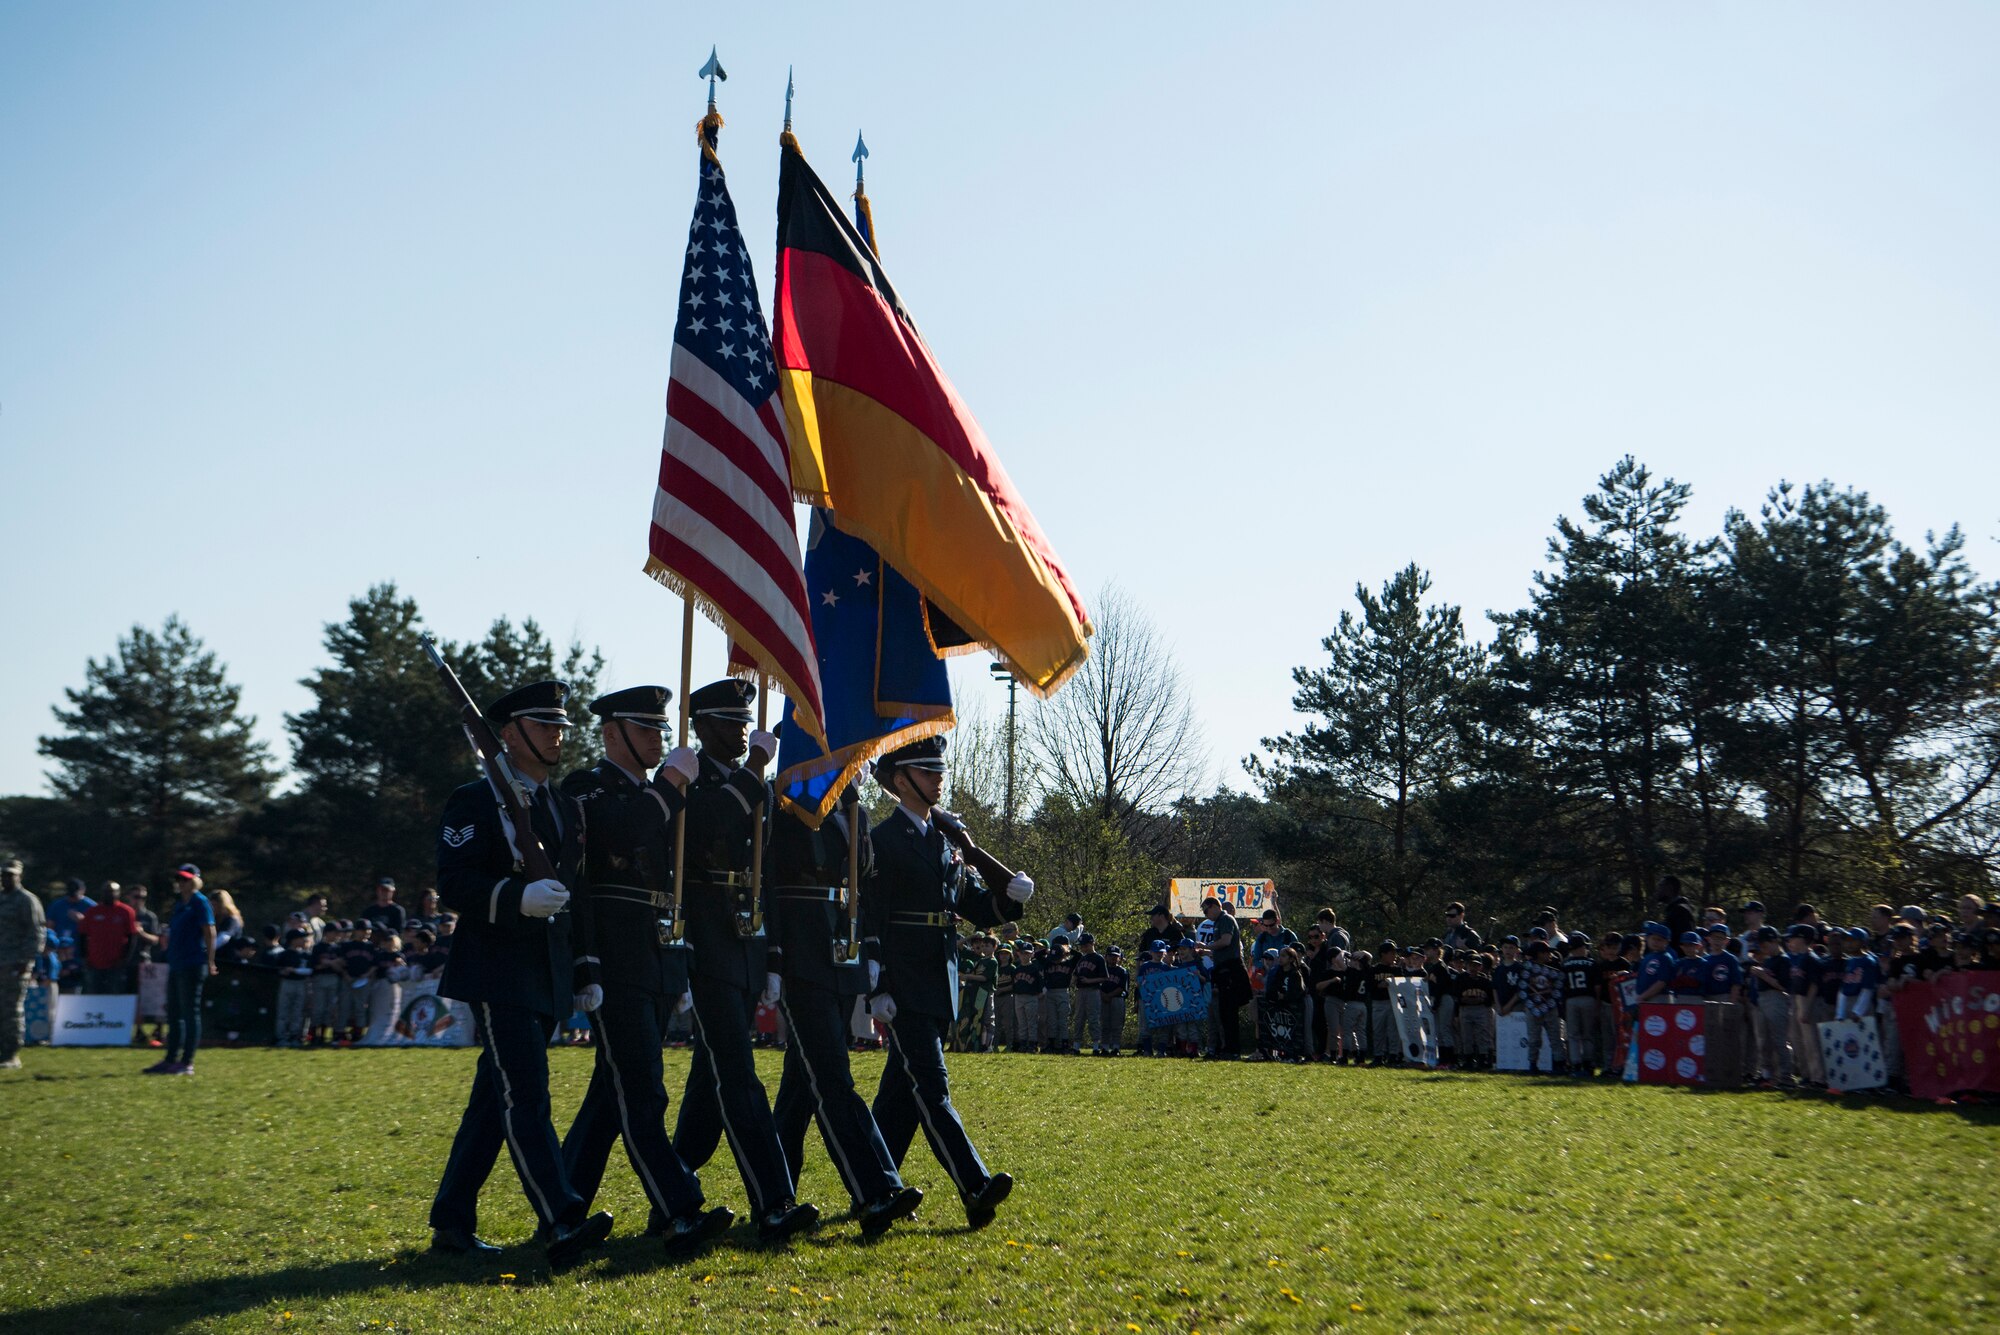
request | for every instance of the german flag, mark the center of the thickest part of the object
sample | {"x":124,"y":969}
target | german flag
{"x":880,"y":437}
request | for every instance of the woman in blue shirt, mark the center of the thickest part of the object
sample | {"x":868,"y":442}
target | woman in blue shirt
{"x":190,"y":963}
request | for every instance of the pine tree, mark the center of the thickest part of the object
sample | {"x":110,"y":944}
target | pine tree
{"x":1388,"y":736}
{"x":156,"y":764}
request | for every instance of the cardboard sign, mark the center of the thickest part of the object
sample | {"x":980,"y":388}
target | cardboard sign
{"x":427,"y":1020}
{"x":1672,"y":1043}
{"x":1172,"y":996}
{"x":93,"y":1022}
{"x":1240,"y":898}
{"x":38,"y":1012}
{"x":152,"y":991}
{"x":1951,"y":1035}
{"x":1415,"y":1022}
{"x":1852,"y":1051}
{"x":1510,"y":1042}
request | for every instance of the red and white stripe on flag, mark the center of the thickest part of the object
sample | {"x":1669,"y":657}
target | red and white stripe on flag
{"x":723,"y":531}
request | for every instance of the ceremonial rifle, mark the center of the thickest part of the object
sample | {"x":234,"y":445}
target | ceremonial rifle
{"x":535,"y":863}
{"x":990,"y":868}
{"x":851,"y":799}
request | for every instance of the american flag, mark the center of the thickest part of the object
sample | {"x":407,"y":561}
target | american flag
{"x":723,"y":532}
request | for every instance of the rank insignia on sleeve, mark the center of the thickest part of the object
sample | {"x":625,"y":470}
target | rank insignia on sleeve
{"x":457,"y":838}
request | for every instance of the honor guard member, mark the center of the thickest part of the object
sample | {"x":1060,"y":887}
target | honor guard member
{"x":917,"y":889}
{"x":732,"y":967}
{"x":808,"y":930}
{"x":626,"y":974}
{"x":510,"y":961}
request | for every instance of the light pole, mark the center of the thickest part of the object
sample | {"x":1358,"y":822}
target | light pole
{"x":1000,"y":673}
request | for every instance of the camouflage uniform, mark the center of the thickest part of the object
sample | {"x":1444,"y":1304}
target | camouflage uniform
{"x":22,"y":930}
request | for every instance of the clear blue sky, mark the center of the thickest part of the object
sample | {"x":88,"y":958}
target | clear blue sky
{"x":296,"y":298}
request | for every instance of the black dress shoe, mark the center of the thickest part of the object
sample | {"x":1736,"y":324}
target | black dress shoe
{"x":876,"y":1216}
{"x":566,"y":1242}
{"x":979,"y":1206}
{"x":785,"y":1221}
{"x":687,"y":1233}
{"x":460,"y":1242}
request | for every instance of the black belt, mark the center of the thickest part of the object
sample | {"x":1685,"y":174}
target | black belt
{"x":810,"y":894}
{"x":732,"y":879}
{"x":630,"y":894}
{"x":923,"y":919}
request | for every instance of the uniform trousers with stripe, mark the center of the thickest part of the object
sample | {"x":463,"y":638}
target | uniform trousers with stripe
{"x":817,"y":1085}
{"x":509,"y":1106}
{"x":916,"y":1091}
{"x":724,"y":1097}
{"x":627,"y":1100}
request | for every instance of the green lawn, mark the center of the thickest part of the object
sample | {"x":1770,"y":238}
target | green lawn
{"x":287,"y":1191}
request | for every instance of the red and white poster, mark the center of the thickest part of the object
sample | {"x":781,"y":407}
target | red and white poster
{"x":1673,"y":1044}
{"x":1951,"y":1034}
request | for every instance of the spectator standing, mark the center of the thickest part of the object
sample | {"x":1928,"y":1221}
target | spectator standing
{"x":1230,"y":979}
{"x":1058,"y":976}
{"x":1541,"y":997}
{"x":1384,"y":1043}
{"x":1579,"y":991}
{"x":1067,"y":931}
{"x":385,"y":911}
{"x":1003,"y":996}
{"x":228,"y":918}
{"x":1770,"y":976}
{"x":1027,"y":996}
{"x":109,"y":930}
{"x":23,"y":932}
{"x":1117,"y":982}
{"x":1677,"y":912}
{"x":1474,"y":987}
{"x":191,"y":948}
{"x":1160,"y":926}
{"x":294,"y":968}
{"x":315,"y":911}
{"x":1088,"y":975}
{"x":68,"y":908}
{"x":323,"y":983}
{"x":1458,"y":933}
{"x":1611,"y":975}
{"x":425,"y":914}
{"x":1330,"y":928}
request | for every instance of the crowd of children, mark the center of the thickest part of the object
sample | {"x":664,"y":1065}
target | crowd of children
{"x":1322,"y":999}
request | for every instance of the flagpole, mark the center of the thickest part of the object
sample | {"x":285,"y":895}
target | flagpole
{"x":680,"y":817}
{"x":712,"y":71}
{"x":757,"y":820}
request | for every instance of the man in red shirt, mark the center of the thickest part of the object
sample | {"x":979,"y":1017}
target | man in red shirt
{"x":107,"y":928}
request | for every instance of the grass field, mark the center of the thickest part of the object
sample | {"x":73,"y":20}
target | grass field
{"x":287,"y":1191}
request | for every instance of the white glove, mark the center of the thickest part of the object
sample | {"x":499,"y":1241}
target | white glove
{"x":874,"y":974}
{"x":772,"y":985}
{"x":765,"y":742}
{"x":543,"y":899}
{"x":681,"y":761}
{"x":589,"y":999}
{"x":1021,"y":889}
{"x":882,"y":1008}
{"x":685,"y":1004}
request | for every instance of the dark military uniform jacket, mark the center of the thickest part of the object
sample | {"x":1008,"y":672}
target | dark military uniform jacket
{"x":720,"y":803}
{"x":499,"y":955}
{"x":911,"y":901}
{"x":802,"y":882}
{"x":623,"y":901}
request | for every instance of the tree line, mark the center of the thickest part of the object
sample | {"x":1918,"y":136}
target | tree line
{"x":1802,"y":707}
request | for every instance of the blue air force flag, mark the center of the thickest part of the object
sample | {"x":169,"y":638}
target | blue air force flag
{"x":882,"y":682}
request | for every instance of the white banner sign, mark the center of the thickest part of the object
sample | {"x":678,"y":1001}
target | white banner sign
{"x":93,"y":1022}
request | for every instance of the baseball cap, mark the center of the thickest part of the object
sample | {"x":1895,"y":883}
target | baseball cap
{"x":1538,"y":947}
{"x":1155,"y":945}
{"x":1579,"y":938}
{"x":1857,"y":934}
{"x":1510,"y":941}
{"x":1755,"y":906}
{"x":187,"y":871}
{"x":1690,"y":938}
{"x":1767,"y":933}
{"x":1911,"y":913}
{"x":1657,"y":929}
{"x":1715,"y":929}
{"x":1800,"y":931}
{"x":1539,"y":933}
